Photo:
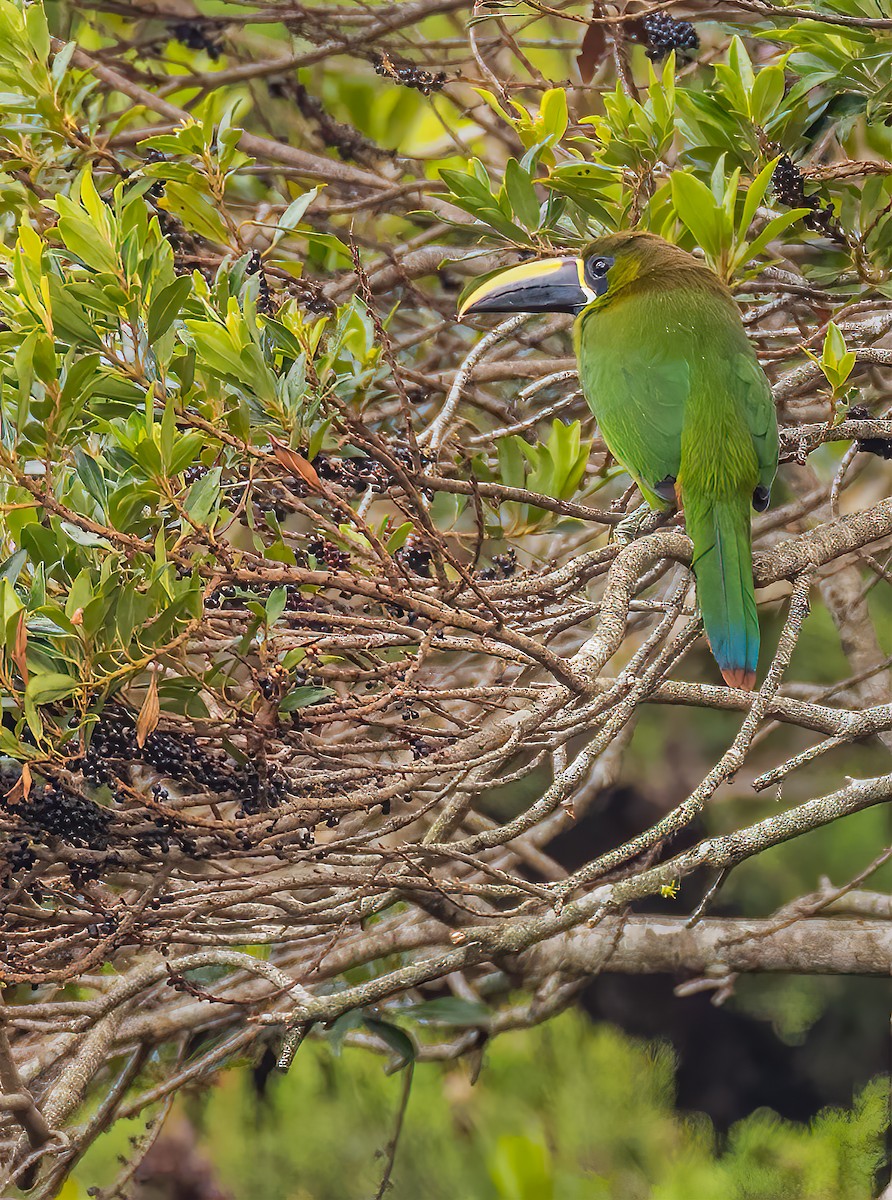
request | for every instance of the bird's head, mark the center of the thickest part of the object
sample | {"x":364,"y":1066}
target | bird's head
{"x":576,"y":284}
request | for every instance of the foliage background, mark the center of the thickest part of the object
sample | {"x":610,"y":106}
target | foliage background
{"x":234,"y":239}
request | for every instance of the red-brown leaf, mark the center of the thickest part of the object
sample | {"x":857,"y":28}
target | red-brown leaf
{"x":296,"y":463}
{"x":592,"y":50}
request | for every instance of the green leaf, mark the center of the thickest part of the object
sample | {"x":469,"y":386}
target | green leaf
{"x":834,"y":343}
{"x":196,"y":212}
{"x":184,"y":452}
{"x":569,"y":457}
{"x":215,"y":347}
{"x":275,"y":605}
{"x":767,"y":94}
{"x":11,"y":567}
{"x":61,"y":61}
{"x":339,"y":1029}
{"x":303,"y":697}
{"x":10,"y":604}
{"x":166,"y":306}
{"x":398,"y":537}
{"x":203,"y":495}
{"x":511,"y":468}
{"x":740,"y":63}
{"x":521,"y":194}
{"x":696,"y":206}
{"x":71,"y":322}
{"x":755,"y":194}
{"x":293,"y":215}
{"x":90,"y":474}
{"x":554,"y":115}
{"x":836,"y":361}
{"x":449,"y":1010}
{"x":38,"y":32}
{"x":83,"y":537}
{"x":86,"y":242}
{"x":397,"y":1039}
{"x":168,"y":433}
{"x":49,"y":686}
{"x":80,"y":593}
{"x":773,"y":228}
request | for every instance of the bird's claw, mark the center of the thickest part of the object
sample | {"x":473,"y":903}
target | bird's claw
{"x":631,"y":525}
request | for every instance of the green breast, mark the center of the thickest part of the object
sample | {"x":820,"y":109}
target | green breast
{"x":675,"y":386}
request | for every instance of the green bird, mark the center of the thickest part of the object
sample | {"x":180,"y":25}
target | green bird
{"x":680,"y":400}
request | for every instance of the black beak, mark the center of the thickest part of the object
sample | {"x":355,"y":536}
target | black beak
{"x":555,"y":285}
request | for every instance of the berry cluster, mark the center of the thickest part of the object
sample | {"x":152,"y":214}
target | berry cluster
{"x":178,"y":757}
{"x":224,"y":597}
{"x":278,"y":681}
{"x":276,"y":503}
{"x":156,"y":191}
{"x":358,"y":474}
{"x":881,"y":447}
{"x":80,"y":873}
{"x":355,"y":474}
{"x":113,"y":747}
{"x":196,"y":36}
{"x":347,"y":141}
{"x":230,"y":597}
{"x":105,"y":928}
{"x":166,"y":830}
{"x":58,"y":812}
{"x":662,"y":34}
{"x":328,"y":553}
{"x":788,"y":187}
{"x":180,"y":239}
{"x":302,"y":678}
{"x":193,"y":474}
{"x":420,"y":748}
{"x":313,"y":297}
{"x":19,"y":857}
{"x":503,"y":566}
{"x":415,"y":556}
{"x":264,"y":299}
{"x":408,"y":74}
{"x":259,"y":791}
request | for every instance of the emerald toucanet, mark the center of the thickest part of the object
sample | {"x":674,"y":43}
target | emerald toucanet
{"x":680,"y":400}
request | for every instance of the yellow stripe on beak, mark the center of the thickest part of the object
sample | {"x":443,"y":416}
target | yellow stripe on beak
{"x":548,"y":285}
{"x":511,"y":281}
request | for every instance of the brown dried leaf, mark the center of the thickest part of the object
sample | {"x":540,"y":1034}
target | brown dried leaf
{"x":22,"y":786}
{"x":20,"y":648}
{"x":295,"y":463}
{"x":149,"y":713}
{"x":592,"y":50}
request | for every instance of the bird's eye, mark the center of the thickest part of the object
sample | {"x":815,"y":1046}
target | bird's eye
{"x":597,"y":268}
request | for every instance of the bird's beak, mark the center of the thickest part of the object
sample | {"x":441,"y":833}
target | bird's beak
{"x":555,"y":285}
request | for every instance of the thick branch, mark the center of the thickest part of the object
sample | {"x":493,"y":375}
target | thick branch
{"x":647,"y":945}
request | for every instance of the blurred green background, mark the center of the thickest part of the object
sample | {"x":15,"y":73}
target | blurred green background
{"x":569,"y":1111}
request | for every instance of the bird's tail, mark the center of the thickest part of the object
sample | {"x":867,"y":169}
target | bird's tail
{"x":719,"y":527}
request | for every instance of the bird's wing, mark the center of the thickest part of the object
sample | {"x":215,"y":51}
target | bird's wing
{"x":758,"y":406}
{"x":639,"y":403}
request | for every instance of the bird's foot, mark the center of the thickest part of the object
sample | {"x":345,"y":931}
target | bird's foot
{"x":631,"y":525}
